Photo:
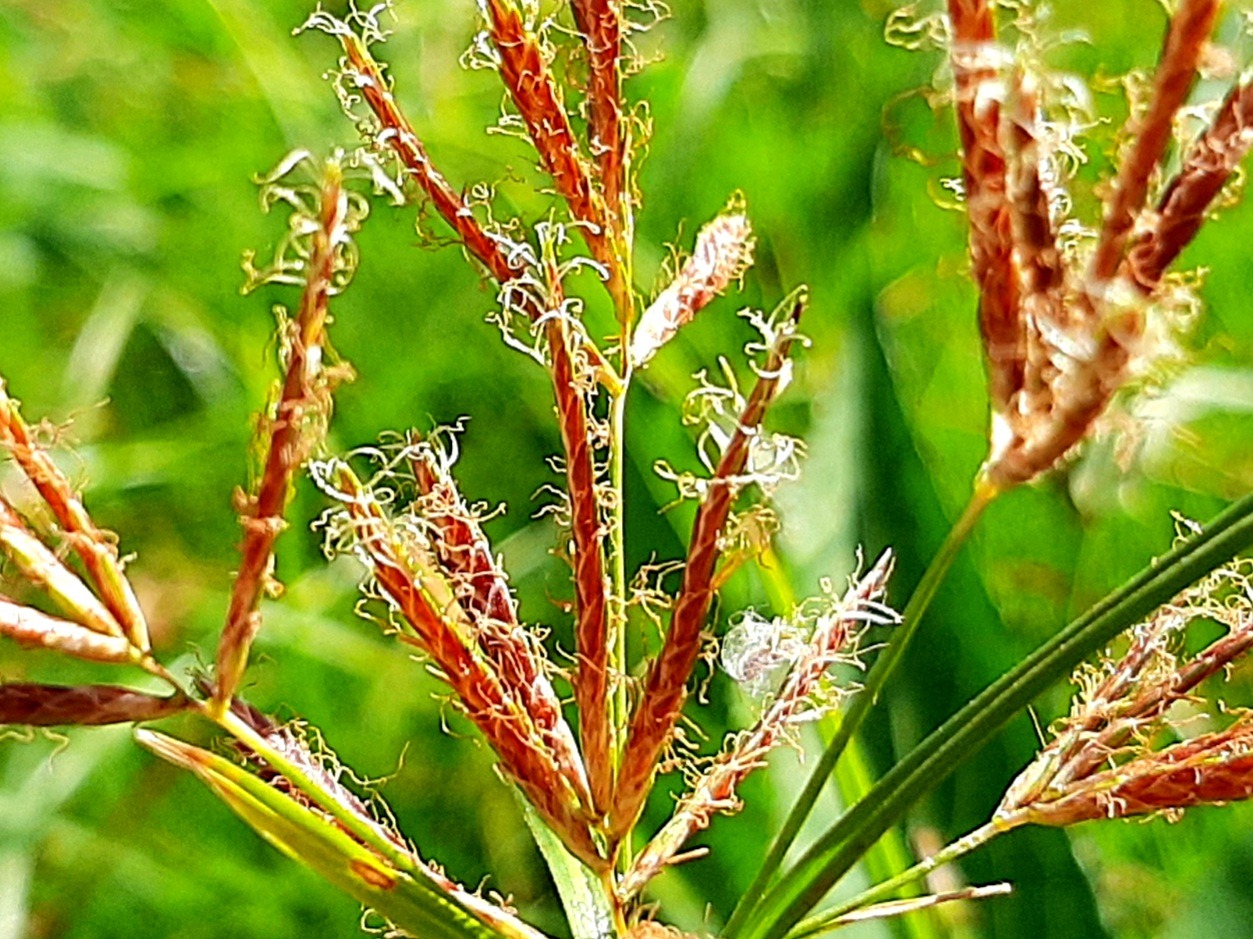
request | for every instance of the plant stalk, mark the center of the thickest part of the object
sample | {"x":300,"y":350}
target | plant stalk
{"x":366,"y":833}
{"x":620,"y":708}
{"x":946,"y":855}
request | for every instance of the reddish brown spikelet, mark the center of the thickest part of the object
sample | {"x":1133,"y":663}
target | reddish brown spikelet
{"x":665,"y":687}
{"x":32,"y":628}
{"x":715,"y":791}
{"x":1027,"y":459}
{"x":1208,"y":770}
{"x":724,"y":250}
{"x":591,"y":680}
{"x":303,"y":403}
{"x":1145,"y":702}
{"x":1059,"y":351}
{"x":84,"y":705}
{"x":459,"y":542}
{"x":530,"y":84}
{"x":979,"y":102}
{"x":600,"y":24}
{"x":1207,"y":165}
{"x":1071,"y":379}
{"x":1124,"y":705}
{"x":395,"y":134}
{"x":1185,"y":41}
{"x":483,"y":591}
{"x":398,"y":136}
{"x":1042,"y":271}
{"x":93,"y":546}
{"x":490,"y":706}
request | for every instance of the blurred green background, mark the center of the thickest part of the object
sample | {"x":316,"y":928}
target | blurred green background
{"x":129,"y":133}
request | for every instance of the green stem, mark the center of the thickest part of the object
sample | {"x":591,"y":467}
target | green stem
{"x":839,"y":848}
{"x":620,"y":713}
{"x":617,"y":547}
{"x":946,"y":855}
{"x":885,"y":663}
{"x":358,"y":827}
{"x":853,"y":779}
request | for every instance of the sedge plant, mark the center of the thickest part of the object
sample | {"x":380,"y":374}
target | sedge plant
{"x":583,"y":733}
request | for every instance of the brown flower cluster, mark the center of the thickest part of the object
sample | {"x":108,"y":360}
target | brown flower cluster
{"x":1114,"y":755}
{"x":429,"y":563}
{"x":1062,"y":328}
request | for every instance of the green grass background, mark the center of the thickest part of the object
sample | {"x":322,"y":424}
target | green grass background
{"x":129,"y":133}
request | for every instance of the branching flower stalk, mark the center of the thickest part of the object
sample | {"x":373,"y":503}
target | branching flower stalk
{"x":433,"y":582}
{"x":1060,"y":352}
{"x":427,"y":559}
{"x":723,"y":251}
{"x":104,"y":622}
{"x":303,"y":809}
{"x":390,"y":132}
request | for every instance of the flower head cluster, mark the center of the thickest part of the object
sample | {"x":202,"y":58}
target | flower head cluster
{"x":1063,"y":312}
{"x":1125,"y":749}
